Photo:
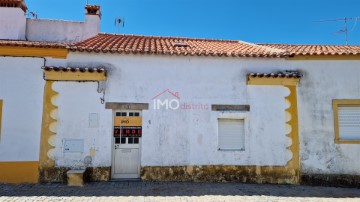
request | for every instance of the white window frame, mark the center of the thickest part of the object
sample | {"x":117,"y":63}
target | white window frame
{"x":236,"y":116}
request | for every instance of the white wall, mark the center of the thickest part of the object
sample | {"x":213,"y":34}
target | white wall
{"x":61,"y":30}
{"x":181,"y":137}
{"x":189,"y":138}
{"x":21,"y":89}
{"x":76,"y":101}
{"x":12,"y":23}
{"x":324,"y":81}
{"x":92,"y":26}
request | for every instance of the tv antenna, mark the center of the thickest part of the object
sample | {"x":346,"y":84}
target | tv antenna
{"x":32,"y":14}
{"x":345,"y":29}
{"x":119,"y":22}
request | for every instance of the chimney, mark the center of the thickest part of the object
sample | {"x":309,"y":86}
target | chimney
{"x":12,"y":19}
{"x":92,"y":22}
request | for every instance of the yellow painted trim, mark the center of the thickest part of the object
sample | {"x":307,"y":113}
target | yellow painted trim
{"x":19,"y":172}
{"x":74,"y":76}
{"x":48,"y":121}
{"x":33,"y":52}
{"x":1,"y":106}
{"x":324,"y":57}
{"x":336,"y":104}
{"x":272,"y":81}
{"x":293,"y":166}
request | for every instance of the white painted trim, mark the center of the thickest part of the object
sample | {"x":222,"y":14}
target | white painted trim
{"x":125,"y":176}
{"x":233,"y":115}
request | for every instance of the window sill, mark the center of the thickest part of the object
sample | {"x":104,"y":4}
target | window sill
{"x":231,"y":149}
{"x":347,"y":141}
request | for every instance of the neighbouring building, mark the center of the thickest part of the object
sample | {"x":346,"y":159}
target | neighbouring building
{"x":170,"y":108}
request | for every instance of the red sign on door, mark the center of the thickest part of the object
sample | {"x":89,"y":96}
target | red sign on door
{"x":128,"y":131}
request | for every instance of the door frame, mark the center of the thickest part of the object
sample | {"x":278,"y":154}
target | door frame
{"x":113,"y":144}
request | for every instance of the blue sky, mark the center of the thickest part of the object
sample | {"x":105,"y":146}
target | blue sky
{"x":258,"y":21}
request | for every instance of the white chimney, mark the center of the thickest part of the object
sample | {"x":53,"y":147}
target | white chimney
{"x":92,"y":21}
{"x":12,"y":19}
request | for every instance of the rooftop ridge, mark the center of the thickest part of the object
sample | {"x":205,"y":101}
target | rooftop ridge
{"x":271,"y":49}
{"x":174,"y":37}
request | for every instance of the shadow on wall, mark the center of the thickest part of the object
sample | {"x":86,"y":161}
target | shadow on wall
{"x":183,"y":189}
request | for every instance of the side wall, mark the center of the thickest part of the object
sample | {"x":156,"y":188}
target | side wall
{"x":324,"y":81}
{"x":21,"y":89}
{"x":61,"y":30}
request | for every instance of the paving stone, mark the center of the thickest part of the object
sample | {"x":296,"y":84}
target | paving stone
{"x":173,"y":192}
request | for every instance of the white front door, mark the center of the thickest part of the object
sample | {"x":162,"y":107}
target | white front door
{"x":126,"y":147}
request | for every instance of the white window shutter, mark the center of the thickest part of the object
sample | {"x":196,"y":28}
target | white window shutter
{"x":231,"y":134}
{"x":349,"y":122}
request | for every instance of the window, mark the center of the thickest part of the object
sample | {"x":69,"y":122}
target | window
{"x":347,"y":121}
{"x":231,"y":134}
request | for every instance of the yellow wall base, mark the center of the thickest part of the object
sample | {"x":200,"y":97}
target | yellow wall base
{"x":19,"y":172}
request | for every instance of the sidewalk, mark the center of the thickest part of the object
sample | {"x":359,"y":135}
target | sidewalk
{"x":174,"y":192}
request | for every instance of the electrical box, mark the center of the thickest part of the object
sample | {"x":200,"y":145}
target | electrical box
{"x":73,"y":145}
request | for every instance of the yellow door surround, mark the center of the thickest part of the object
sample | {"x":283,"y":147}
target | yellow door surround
{"x":288,"y":80}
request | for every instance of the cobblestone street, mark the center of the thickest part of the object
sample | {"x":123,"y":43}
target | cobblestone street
{"x":174,"y":191}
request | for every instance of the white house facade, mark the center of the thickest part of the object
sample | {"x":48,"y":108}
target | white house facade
{"x":173,"y":109}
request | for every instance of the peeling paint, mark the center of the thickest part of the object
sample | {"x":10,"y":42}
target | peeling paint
{"x":92,"y":174}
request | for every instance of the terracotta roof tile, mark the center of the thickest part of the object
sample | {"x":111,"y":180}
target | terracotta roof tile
{"x":283,"y":74}
{"x":34,"y":44}
{"x":74,"y":69}
{"x":316,"y":49}
{"x":14,"y":3}
{"x":133,"y":44}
